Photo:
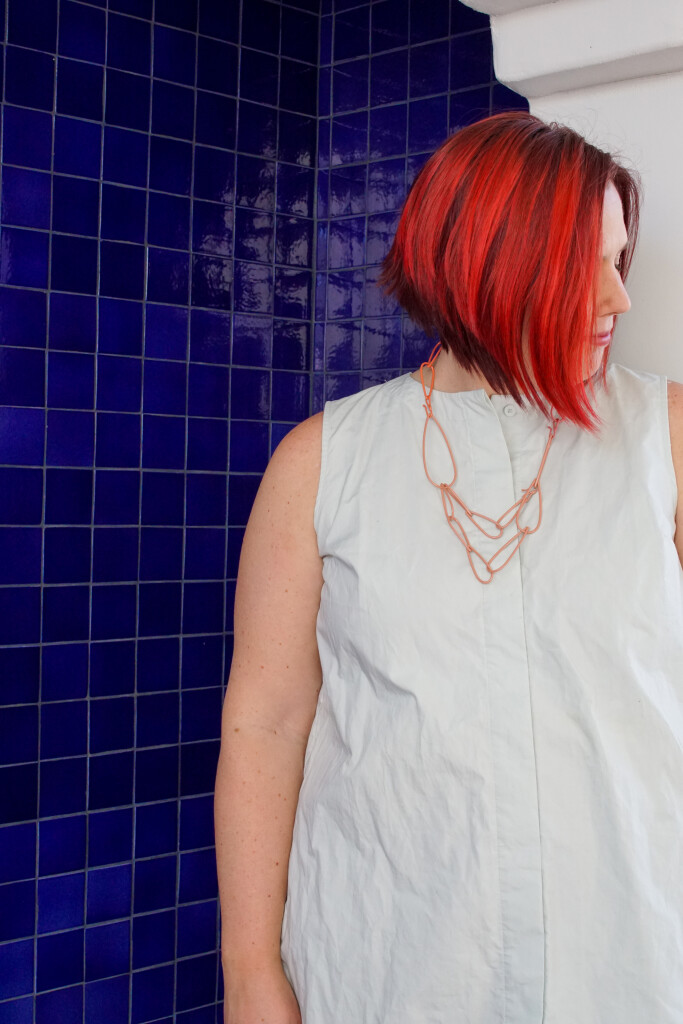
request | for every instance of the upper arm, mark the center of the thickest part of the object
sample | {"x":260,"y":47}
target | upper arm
{"x":275,"y":675}
{"x":675,"y":393}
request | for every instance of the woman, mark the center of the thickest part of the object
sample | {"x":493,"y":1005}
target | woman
{"x":452,"y":755}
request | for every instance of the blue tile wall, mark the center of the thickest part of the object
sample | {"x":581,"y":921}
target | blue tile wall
{"x":196,"y":195}
{"x":395,"y":78}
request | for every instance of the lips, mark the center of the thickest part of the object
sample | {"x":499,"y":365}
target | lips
{"x":602,"y":339}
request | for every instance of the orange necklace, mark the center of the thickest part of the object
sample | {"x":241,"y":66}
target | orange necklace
{"x":449,"y":498}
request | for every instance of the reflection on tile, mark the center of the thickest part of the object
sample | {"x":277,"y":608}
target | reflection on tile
{"x":382,"y":343}
{"x":292,"y":293}
{"x":255,"y":183}
{"x":294,"y":241}
{"x":253,"y":236}
{"x":346,"y":246}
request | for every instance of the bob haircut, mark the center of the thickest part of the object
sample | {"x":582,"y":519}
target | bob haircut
{"x":501,"y":233}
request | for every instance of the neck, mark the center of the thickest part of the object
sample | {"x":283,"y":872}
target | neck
{"x":451,"y":376}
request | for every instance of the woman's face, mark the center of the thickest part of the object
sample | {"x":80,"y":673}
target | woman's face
{"x":612,"y":295}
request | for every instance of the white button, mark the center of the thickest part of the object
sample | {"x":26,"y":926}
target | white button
{"x":510,"y":409}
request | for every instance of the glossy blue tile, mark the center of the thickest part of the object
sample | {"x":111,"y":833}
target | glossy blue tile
{"x":155,"y":825}
{"x":292,"y":293}
{"x":33,"y":24}
{"x":429,"y":69}
{"x":17,"y":911}
{"x":25,"y":198}
{"x":197,"y":927}
{"x":212,"y":282}
{"x":62,"y":786}
{"x":22,"y":377}
{"x":107,"y":1001}
{"x":350,"y":137}
{"x":214,"y":175}
{"x":113,"y":612}
{"x":472,"y":105}
{"x":65,"y":672}
{"x":254,"y":235}
{"x":205,"y":548}
{"x":427,"y":124}
{"x":172,"y":110}
{"x":110,"y":785}
{"x":325,"y":52}
{"x":29,"y":78}
{"x":502,"y":98}
{"x":196,"y":823}
{"x":156,"y":774}
{"x":181,"y":13}
{"x":24,"y":257}
{"x":165,"y":333}
{"x":250,"y":394}
{"x":294,"y":241}
{"x":253,"y":288}
{"x":255,"y":183}
{"x":221,"y":21}
{"x":116,"y":497}
{"x":109,"y":889}
{"x":258,"y":77}
{"x":346,"y":245}
{"x":67,"y":555}
{"x":174,"y":55}
{"x":198,"y":766}
{"x":168,"y":277}
{"x":388,"y":131}
{"x":249,"y":446}
{"x":72,"y":322}
{"x":196,"y":983}
{"x":299,"y":35}
{"x":162,"y":499}
{"x":157,"y":722}
{"x":115,"y":555}
{"x":252,"y":340}
{"x":212,"y":228}
{"x":350,"y":85}
{"x":19,"y":734}
{"x":169,"y":221}
{"x":290,"y":400}
{"x":107,"y":950}
{"x":352,"y":33}
{"x":347,"y":190}
{"x":257,"y":130}
{"x":128,"y":99}
{"x":68,"y":495}
{"x":74,"y":264}
{"x":386,"y":185}
{"x":125,"y":157}
{"x":389,"y":25}
{"x":22,"y":318}
{"x":261,"y":25}
{"x":345,"y":294}
{"x":471,"y":59}
{"x":158,"y":664}
{"x":20,"y":668}
{"x":165,"y":385}
{"x":170,"y":165}
{"x":152,"y":994}
{"x":65,"y":614}
{"x":324,"y":91}
{"x":27,"y":137}
{"x":62,"y":844}
{"x":208,"y":391}
{"x":128,"y":44}
{"x":111,"y":724}
{"x":298,"y":87}
{"x":64,"y":1005}
{"x":112,"y":668}
{"x":118,"y":440}
{"x":75,"y":205}
{"x":296,"y":138}
{"x":429,"y":21}
{"x":197,"y":877}
{"x":389,"y":77}
{"x":216,"y":117}
{"x":16,"y":970}
{"x":202,"y":613}
{"x":206,"y":496}
{"x":61,"y":902}
{"x":17,"y":852}
{"x":22,"y":436}
{"x":291,"y":345}
{"x":81,"y":32}
{"x":376,"y":302}
{"x":295,"y":190}
{"x":122,"y":268}
{"x":110,"y":837}
{"x":123,"y":213}
{"x":153,"y":939}
{"x":138,"y":8}
{"x":70,"y":438}
{"x":210,"y":337}
{"x":19,"y":558}
{"x":79,"y":89}
{"x":60,"y":959}
{"x":465,"y":19}
{"x":77,"y":143}
{"x":155,"y":884}
{"x":71,"y":378}
{"x":202,"y":660}
{"x":120,"y":322}
{"x":119,"y":383}
{"x":161,"y":553}
{"x":382,"y":343}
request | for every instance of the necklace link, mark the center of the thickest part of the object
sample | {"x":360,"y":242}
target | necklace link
{"x":449,"y":498}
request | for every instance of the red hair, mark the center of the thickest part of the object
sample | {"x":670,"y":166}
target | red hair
{"x":502,"y":229}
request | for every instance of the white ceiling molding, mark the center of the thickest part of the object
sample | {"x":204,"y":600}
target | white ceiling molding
{"x":545,"y":48}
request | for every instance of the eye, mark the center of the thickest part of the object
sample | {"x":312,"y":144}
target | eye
{"x":620,"y":261}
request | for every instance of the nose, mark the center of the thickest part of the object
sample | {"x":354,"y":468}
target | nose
{"x":614,"y":298}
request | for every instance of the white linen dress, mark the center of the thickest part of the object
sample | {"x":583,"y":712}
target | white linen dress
{"x":490,"y":825}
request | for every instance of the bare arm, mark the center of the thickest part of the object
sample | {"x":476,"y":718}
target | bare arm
{"x":270,"y":703}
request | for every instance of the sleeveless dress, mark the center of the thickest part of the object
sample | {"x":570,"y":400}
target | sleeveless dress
{"x":490,"y":824}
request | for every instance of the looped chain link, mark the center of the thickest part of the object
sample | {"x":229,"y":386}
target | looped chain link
{"x":450,"y":499}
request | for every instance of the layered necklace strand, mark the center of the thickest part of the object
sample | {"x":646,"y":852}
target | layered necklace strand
{"x":450,"y":499}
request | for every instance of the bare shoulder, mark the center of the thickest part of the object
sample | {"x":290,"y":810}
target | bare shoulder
{"x":675,"y":396}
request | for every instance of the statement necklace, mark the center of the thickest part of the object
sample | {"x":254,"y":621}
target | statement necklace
{"x":450,"y":499}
